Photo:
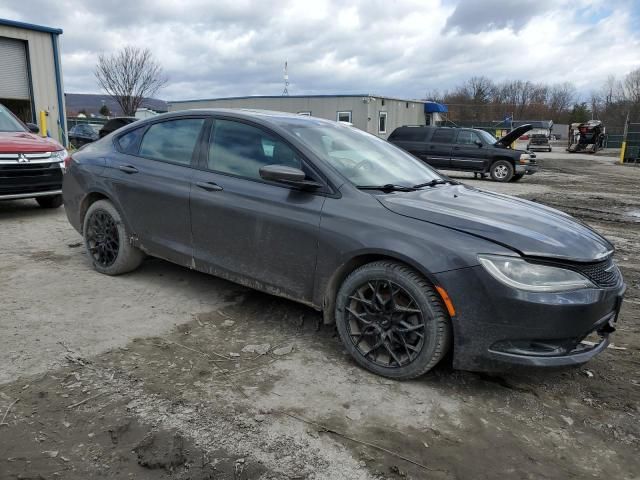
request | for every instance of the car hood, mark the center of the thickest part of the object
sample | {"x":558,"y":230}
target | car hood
{"x":25,"y":142}
{"x":513,"y":135}
{"x":529,"y":228}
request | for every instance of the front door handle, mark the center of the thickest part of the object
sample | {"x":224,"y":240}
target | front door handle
{"x":209,"y":186}
{"x":128,"y":169}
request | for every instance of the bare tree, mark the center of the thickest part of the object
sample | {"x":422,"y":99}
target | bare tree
{"x":479,"y":89}
{"x":561,"y":97}
{"x":632,"y":87}
{"x":129,"y":76}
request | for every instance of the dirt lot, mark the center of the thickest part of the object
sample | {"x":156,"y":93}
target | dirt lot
{"x":168,"y":373}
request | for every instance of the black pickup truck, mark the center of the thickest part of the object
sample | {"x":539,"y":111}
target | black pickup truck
{"x":468,"y":150}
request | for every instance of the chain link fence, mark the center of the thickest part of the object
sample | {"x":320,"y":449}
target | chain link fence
{"x":73,"y":121}
{"x":631,"y":144}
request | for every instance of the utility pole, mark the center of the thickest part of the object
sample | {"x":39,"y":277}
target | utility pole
{"x":285,"y":92}
{"x":624,"y":138}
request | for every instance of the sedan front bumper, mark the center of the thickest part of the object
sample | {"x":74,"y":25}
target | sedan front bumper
{"x":497,"y":327}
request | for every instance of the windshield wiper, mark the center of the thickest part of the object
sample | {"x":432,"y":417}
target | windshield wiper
{"x":434,"y":182}
{"x":389,"y":187}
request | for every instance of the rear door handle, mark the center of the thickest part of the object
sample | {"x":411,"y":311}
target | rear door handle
{"x":209,"y":186}
{"x":128,"y":169}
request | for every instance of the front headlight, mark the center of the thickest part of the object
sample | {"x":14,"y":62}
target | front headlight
{"x":59,"y":155}
{"x":518,"y":273}
{"x":524,"y":158}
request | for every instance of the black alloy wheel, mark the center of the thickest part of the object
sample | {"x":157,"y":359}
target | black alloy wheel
{"x":392,"y":320}
{"x":385,"y":323}
{"x":102,"y":238}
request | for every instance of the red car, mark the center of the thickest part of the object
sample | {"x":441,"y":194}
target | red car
{"x":31,"y":166}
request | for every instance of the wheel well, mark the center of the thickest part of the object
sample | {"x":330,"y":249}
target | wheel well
{"x":333,"y":285}
{"x":506,"y":159}
{"x":87,"y":202}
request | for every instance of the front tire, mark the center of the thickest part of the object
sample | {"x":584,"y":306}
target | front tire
{"x":501,"y":171}
{"x":50,"y":201}
{"x":392,"y":321}
{"x":107,"y":241}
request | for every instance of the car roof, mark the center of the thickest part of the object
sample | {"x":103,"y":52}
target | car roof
{"x":271,"y":117}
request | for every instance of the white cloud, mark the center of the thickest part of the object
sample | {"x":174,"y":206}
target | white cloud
{"x":400,"y":48}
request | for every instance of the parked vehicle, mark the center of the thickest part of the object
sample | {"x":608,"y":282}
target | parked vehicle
{"x":587,"y":137}
{"x":407,"y":262}
{"x":468,"y":150}
{"x":83,"y":133}
{"x":539,"y":141}
{"x":31,"y":166}
{"x":114,"y":124}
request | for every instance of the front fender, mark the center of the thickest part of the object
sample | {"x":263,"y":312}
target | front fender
{"x":377,"y":233}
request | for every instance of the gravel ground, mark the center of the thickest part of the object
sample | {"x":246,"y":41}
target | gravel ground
{"x":168,"y":373}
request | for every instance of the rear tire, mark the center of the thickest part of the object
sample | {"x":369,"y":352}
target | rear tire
{"x":107,"y":241}
{"x":50,"y":201}
{"x":392,"y":321}
{"x":501,"y":171}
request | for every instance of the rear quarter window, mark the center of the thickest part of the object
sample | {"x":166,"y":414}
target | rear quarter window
{"x":130,"y":141}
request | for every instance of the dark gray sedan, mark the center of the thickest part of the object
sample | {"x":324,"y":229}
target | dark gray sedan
{"x":406,"y":262}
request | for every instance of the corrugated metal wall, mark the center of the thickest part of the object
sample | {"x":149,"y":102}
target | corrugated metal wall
{"x":43,"y":74}
{"x":399,"y":113}
{"x":365,"y":110}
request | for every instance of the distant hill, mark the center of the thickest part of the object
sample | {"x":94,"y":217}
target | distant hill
{"x":91,"y":103}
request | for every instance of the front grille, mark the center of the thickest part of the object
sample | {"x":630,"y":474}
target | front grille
{"x":603,"y":274}
{"x":23,"y":178}
{"x":31,"y":157}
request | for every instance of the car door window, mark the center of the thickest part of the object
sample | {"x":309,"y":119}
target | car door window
{"x":172,"y":141}
{"x":240,"y":149}
{"x":443,"y":135}
{"x":466,"y":137}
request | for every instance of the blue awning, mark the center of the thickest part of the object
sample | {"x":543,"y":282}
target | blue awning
{"x":433,"y":107}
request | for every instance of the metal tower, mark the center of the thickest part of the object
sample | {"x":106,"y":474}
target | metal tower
{"x":285,"y":92}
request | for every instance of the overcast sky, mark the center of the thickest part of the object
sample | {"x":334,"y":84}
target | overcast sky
{"x":393,"y":47}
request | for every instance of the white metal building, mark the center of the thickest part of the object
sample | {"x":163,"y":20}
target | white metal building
{"x":31,"y":76}
{"x":372,"y":113}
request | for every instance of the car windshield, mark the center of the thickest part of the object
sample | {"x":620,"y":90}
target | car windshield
{"x":364,"y":159}
{"x":486,"y":137}
{"x":9,"y":123}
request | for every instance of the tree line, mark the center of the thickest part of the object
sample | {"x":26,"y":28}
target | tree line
{"x":481,"y":100}
{"x":617,"y":99}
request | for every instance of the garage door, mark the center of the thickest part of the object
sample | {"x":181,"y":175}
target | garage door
{"x":14,"y":80}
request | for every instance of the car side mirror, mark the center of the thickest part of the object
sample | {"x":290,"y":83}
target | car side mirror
{"x":33,"y":128}
{"x":478,"y":143}
{"x":289,"y":175}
